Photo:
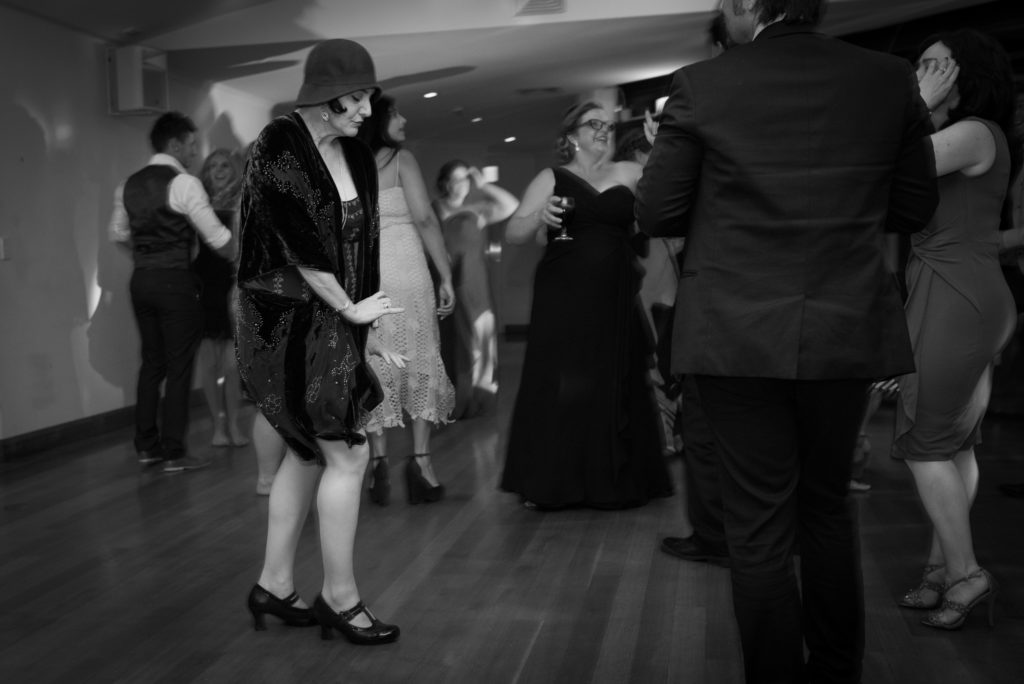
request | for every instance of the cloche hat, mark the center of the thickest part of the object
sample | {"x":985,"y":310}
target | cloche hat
{"x":334,"y":68}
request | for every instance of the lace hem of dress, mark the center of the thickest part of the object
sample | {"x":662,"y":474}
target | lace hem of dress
{"x":431,"y":416}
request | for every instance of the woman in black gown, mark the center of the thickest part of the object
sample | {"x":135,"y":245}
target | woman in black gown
{"x":308,"y":276}
{"x":584,"y":429}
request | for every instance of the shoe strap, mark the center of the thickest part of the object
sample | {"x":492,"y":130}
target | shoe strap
{"x":290,"y":599}
{"x":355,"y":610}
{"x":980,"y":572}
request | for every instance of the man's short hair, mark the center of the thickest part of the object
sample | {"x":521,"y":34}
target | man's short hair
{"x":168,"y":127}
{"x":796,"y":11}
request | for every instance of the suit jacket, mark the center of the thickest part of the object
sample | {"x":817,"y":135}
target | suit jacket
{"x":783,"y":161}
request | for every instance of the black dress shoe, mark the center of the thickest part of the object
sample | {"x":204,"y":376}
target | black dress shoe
{"x":377,"y":633}
{"x":1016,"y":489}
{"x":691,"y":549}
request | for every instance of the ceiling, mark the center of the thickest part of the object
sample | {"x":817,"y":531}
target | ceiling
{"x":515,"y":63}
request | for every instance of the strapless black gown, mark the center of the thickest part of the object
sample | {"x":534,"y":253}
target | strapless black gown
{"x":584,"y":428}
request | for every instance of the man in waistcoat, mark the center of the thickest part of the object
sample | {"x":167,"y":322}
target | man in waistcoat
{"x":158,"y":212}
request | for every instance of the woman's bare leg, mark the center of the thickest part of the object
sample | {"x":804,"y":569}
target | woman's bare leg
{"x":270,"y":449}
{"x":337,"y":503}
{"x":421,"y":449}
{"x":290,"y":498}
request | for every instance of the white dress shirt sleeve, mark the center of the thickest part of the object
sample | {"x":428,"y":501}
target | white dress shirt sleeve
{"x":187,"y":196}
{"x":119,"y":230}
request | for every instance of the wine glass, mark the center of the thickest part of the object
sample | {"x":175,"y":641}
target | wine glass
{"x":568,"y":205}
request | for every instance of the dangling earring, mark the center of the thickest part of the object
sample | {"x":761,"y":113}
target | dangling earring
{"x":324,"y":115}
{"x":576,"y":145}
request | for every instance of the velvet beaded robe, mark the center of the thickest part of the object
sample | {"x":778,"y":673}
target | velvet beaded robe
{"x":299,"y":359}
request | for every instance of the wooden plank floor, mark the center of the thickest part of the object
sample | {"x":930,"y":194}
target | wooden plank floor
{"x":114,"y":574}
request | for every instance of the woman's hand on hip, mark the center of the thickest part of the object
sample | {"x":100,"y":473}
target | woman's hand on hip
{"x":370,"y":309}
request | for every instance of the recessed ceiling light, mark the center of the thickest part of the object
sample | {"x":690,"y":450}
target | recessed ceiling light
{"x":476,"y":119}
{"x":429,"y":95}
{"x":510,"y":138}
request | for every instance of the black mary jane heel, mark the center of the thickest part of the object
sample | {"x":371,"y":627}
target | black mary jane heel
{"x":262,"y":603}
{"x":377,"y":633}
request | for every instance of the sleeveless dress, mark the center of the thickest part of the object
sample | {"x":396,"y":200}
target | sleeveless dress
{"x":960,"y":314}
{"x":421,"y":389}
{"x":584,"y":428}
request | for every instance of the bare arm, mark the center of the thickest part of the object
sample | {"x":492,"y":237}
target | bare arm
{"x":187,"y":196}
{"x":423,"y":217}
{"x":327,"y":287}
{"x":500,"y":203}
{"x":966,"y":146}
{"x":537,"y":210}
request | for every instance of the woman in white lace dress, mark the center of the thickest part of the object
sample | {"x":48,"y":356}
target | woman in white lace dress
{"x":421,"y":389}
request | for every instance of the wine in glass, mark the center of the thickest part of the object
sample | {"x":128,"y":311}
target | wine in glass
{"x":568,"y":205}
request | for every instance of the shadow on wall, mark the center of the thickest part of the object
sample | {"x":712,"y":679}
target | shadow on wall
{"x":41,"y":278}
{"x":221,"y":133}
{"x":113,"y":352}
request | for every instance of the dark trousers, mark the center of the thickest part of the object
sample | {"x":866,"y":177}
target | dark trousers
{"x":170,"y":320}
{"x":785,"y":466}
{"x":703,"y":489}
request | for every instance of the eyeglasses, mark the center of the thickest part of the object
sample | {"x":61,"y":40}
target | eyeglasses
{"x":597,"y":125}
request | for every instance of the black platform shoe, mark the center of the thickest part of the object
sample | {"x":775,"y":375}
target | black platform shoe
{"x":380,"y":489}
{"x":261,"y":602}
{"x":377,"y":633}
{"x":419,"y":489}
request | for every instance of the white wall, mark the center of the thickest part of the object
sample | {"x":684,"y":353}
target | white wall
{"x":68,"y":345}
{"x":68,"y":342}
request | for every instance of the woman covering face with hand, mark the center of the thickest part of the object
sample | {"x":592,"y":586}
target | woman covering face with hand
{"x":959,"y":311}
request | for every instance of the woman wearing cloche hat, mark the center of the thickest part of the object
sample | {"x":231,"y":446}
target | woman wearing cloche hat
{"x":308,"y":276}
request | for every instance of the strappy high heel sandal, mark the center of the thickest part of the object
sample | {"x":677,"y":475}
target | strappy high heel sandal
{"x":261,"y":602}
{"x":917,"y":598}
{"x":380,"y":483}
{"x":962,"y":610}
{"x":377,"y":633}
{"x":419,"y":488}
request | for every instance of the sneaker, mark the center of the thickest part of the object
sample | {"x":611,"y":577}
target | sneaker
{"x":184,"y":463}
{"x":859,"y":486}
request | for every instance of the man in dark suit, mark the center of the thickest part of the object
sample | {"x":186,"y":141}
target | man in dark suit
{"x":782,"y":161}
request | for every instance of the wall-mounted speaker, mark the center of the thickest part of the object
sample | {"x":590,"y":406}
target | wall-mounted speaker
{"x":136,"y":80}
